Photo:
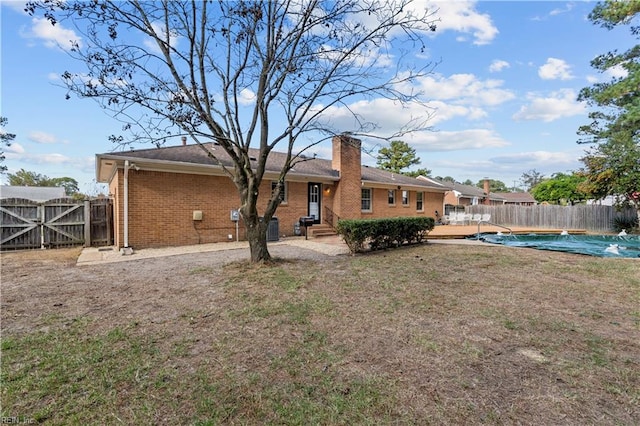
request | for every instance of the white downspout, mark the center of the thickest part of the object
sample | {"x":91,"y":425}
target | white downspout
{"x":126,"y":249}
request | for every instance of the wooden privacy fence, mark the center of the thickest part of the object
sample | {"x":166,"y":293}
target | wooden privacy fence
{"x":28,"y":224}
{"x":588,"y":217}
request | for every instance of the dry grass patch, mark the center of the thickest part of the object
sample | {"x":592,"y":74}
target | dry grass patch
{"x":432,"y":334}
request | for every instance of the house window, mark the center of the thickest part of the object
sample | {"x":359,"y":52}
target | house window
{"x":392,"y":197}
{"x":405,"y":198}
{"x":366,"y":199}
{"x":283,"y":194}
{"x":419,"y":201}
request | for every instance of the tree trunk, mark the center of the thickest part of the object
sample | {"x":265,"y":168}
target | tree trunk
{"x":257,"y":236}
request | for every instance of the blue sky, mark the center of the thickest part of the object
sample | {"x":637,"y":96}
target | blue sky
{"x":503,"y":95}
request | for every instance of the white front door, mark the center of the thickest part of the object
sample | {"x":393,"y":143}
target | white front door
{"x":314,"y":200}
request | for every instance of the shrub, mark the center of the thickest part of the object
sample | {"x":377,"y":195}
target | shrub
{"x":626,"y":223}
{"x":376,"y":234}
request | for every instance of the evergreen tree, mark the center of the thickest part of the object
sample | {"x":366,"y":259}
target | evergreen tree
{"x":612,"y":165}
{"x":5,"y":139}
{"x":398,"y":156}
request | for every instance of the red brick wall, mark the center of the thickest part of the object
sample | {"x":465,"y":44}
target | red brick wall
{"x":161,"y":208}
{"x":346,"y":158}
{"x":381,"y":207}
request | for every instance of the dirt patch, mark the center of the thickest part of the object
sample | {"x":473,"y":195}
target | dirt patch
{"x":431,"y":334}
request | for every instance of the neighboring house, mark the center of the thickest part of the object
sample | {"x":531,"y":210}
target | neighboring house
{"x":609,"y":200}
{"x":177,"y":195}
{"x":466,"y":195}
{"x":517,"y":198}
{"x":34,"y":193}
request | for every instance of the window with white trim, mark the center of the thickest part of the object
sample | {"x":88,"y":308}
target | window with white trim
{"x":283,"y":194}
{"x":366,"y":200}
{"x":392,"y":197}
{"x":405,"y":197}
{"x":420,"y":201}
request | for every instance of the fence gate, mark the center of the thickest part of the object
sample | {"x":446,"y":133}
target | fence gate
{"x":21,"y":224}
{"x":62,"y":223}
{"x":28,"y":224}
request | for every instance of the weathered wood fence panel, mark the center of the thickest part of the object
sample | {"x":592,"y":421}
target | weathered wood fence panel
{"x":27,"y":224}
{"x":590,"y":218}
{"x":20,"y":223}
{"x":101,"y":228}
{"x":63,"y":223}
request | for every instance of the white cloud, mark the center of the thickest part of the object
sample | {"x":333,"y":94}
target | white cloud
{"x":498,"y":65}
{"x":456,"y":140}
{"x":387,"y":115}
{"x":15,"y":148}
{"x":558,"y":105}
{"x":554,"y":12}
{"x":52,"y":35}
{"x":247,"y":97}
{"x":42,"y":137}
{"x":465,"y":89}
{"x":459,"y":96}
{"x":390,"y":117}
{"x":536,"y":158}
{"x":592,"y":79}
{"x":617,"y":71}
{"x":366,"y":56}
{"x":462,"y":17}
{"x":161,"y":32}
{"x":558,"y":11}
{"x":17,"y":153}
{"x":555,"y":69}
{"x":508,"y":167}
{"x":446,"y":111}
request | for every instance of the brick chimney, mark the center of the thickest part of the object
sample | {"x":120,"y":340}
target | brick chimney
{"x":487,"y":190}
{"x":347,"y":160}
{"x":184,"y":140}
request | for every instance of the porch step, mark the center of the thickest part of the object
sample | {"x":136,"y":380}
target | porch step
{"x":321,"y":230}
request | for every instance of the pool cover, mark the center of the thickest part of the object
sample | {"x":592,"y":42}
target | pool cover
{"x":594,"y":245}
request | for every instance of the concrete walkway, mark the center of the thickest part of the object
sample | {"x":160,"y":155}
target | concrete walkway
{"x":332,"y":245}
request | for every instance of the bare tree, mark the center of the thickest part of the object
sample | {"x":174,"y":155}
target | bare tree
{"x":531,"y":178}
{"x":244,"y":74}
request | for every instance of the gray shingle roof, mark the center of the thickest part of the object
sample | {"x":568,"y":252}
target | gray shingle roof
{"x":194,"y":154}
{"x":469,"y":191}
{"x":34,"y":193}
{"x":517,"y":197}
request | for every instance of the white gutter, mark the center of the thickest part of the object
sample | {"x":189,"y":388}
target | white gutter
{"x":126,"y":249}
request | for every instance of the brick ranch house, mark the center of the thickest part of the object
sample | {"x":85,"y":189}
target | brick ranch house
{"x":177,"y":196}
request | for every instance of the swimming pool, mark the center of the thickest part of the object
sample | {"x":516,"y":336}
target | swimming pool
{"x":594,"y":245}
